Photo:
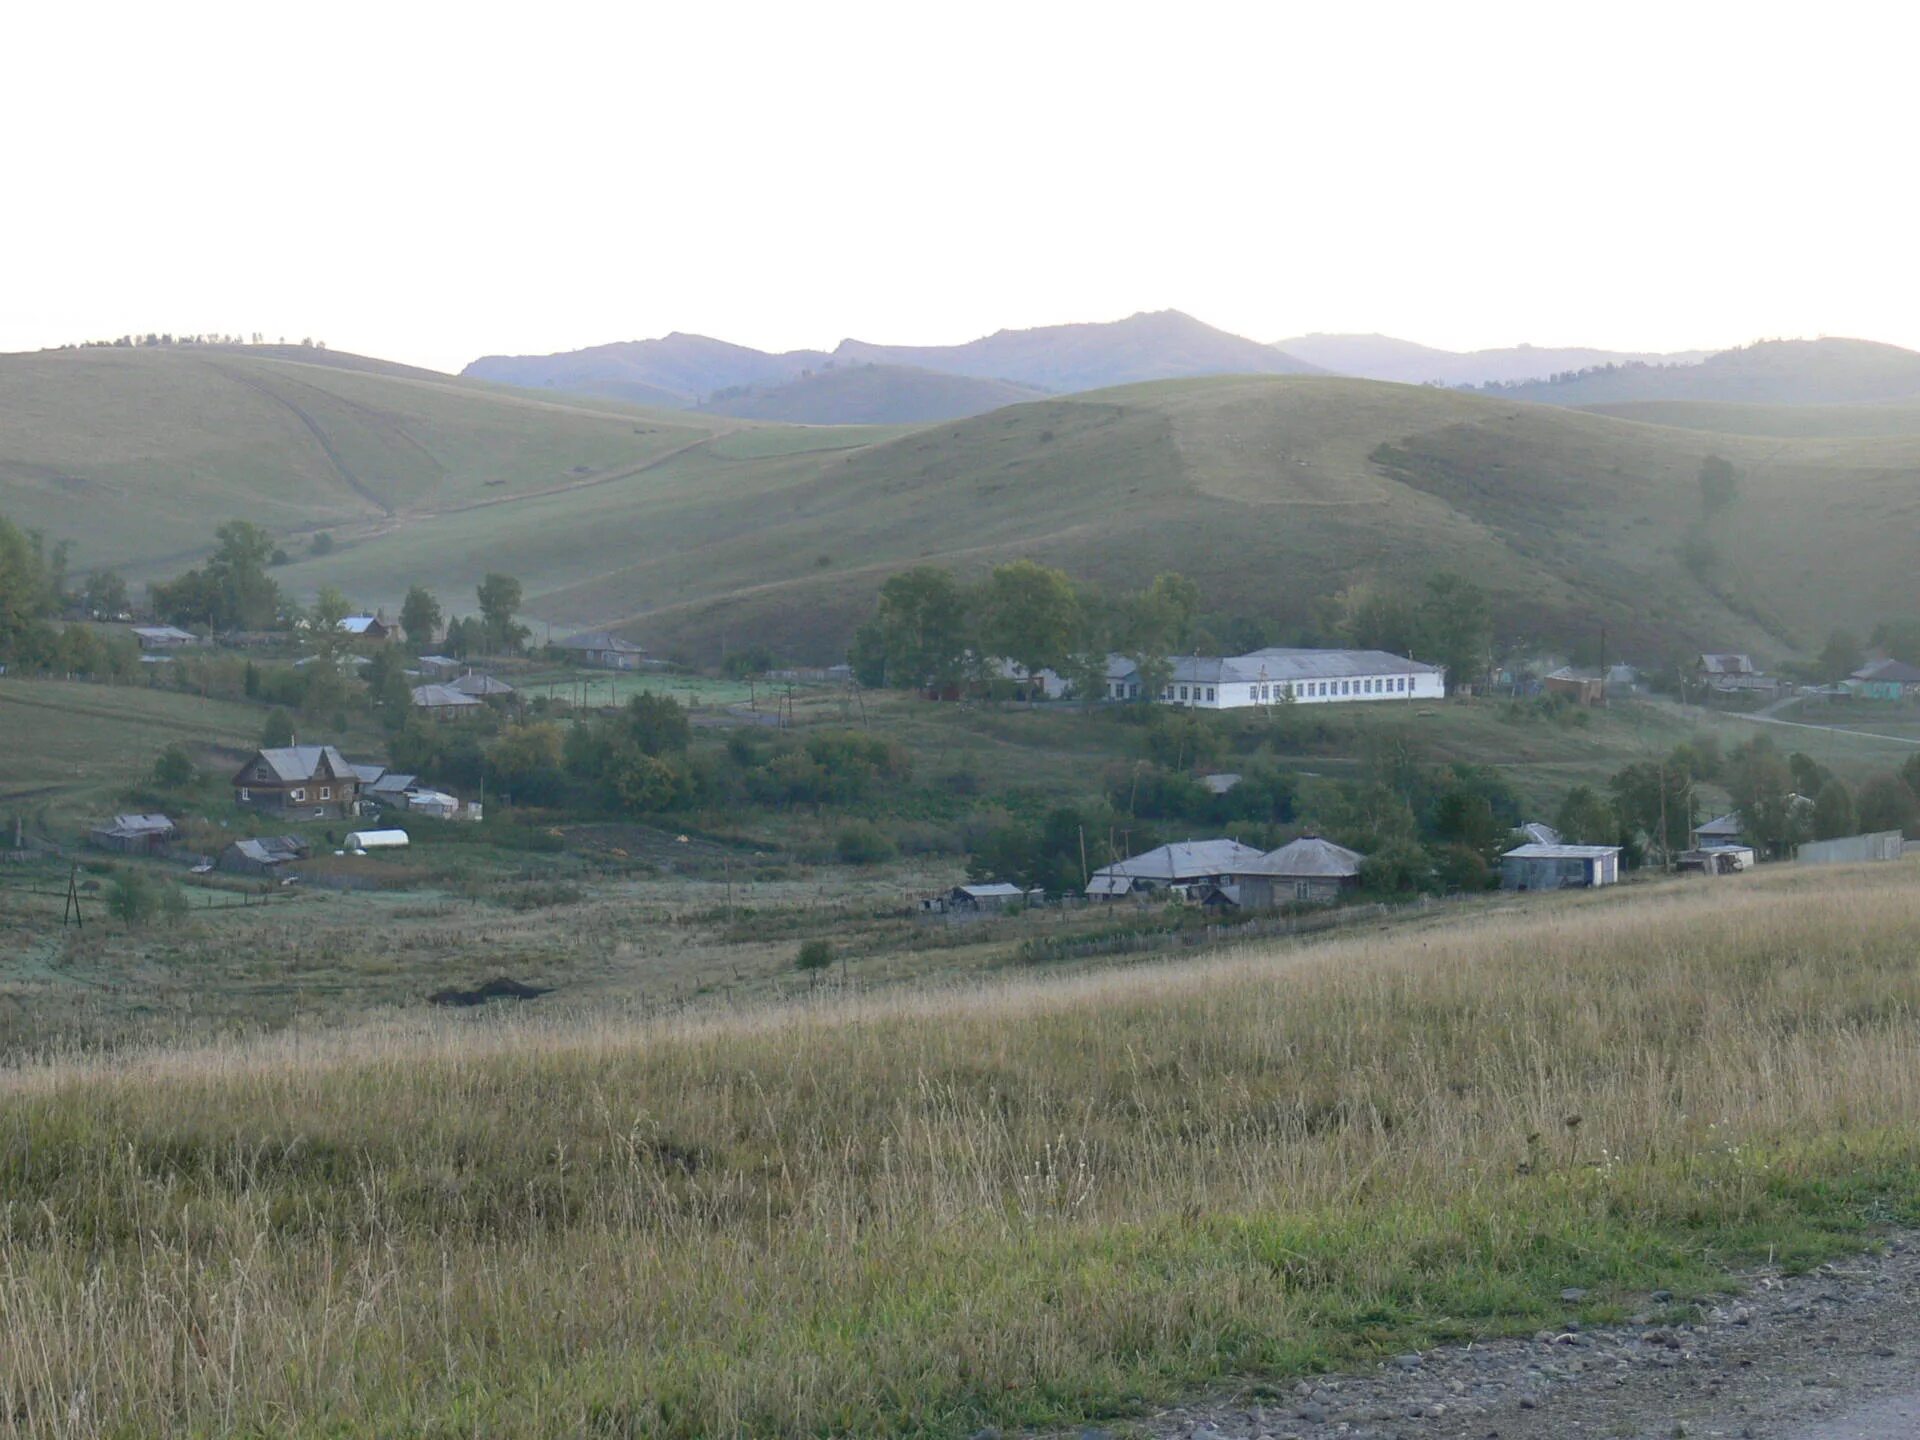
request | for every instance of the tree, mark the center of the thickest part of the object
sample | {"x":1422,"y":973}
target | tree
{"x":420,"y":615}
{"x":1585,"y":817}
{"x":1761,"y":786}
{"x":1373,"y":618}
{"x":1833,"y":813}
{"x":247,"y":597}
{"x":1887,"y":802}
{"x":105,"y":596}
{"x":173,"y":769}
{"x":1459,"y":626}
{"x":1656,"y":798}
{"x":26,"y":592}
{"x":1900,"y":639}
{"x":920,"y":628}
{"x":330,"y":607}
{"x":657,"y":724}
{"x":1839,"y":657}
{"x":1719,"y":483}
{"x":1029,"y":615}
{"x":499,"y":597}
{"x":815,"y":954}
{"x":527,"y":762}
{"x":79,"y":652}
{"x":644,"y":783}
{"x":231,"y":590}
{"x":276,"y":731}
{"x":321,"y":544}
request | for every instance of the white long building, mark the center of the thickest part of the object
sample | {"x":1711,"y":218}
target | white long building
{"x":1279,"y":677}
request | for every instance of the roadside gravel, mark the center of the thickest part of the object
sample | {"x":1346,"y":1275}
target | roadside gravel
{"x":1830,"y":1355}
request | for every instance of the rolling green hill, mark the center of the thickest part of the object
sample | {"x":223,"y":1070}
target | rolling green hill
{"x":869,"y":394}
{"x":1274,"y":492}
{"x":134,"y":454}
{"x":1789,"y":421}
{"x":1773,"y":372}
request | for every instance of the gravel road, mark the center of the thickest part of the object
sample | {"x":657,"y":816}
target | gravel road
{"x":1831,"y":1355}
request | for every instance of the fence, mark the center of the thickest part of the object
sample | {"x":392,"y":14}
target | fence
{"x":1060,"y":947}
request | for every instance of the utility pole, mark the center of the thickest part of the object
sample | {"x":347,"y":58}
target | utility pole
{"x":72,"y":912}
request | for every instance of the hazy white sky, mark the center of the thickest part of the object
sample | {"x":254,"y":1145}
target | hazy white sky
{"x":432,"y":182}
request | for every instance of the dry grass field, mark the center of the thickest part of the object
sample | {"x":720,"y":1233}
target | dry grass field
{"x":1028,"y":1203}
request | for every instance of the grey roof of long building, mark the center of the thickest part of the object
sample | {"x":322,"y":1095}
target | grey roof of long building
{"x":1283,"y":665}
{"x":1185,"y":860}
{"x":1560,"y":852}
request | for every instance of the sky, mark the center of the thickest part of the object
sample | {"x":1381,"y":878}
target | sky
{"x":430,"y":183}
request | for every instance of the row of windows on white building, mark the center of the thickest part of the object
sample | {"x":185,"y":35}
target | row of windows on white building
{"x":1305,"y":689}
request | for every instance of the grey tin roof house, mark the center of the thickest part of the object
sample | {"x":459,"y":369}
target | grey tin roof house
{"x":602,"y":648}
{"x":312,"y":781}
{"x":1310,"y":870}
{"x":1189,"y":862}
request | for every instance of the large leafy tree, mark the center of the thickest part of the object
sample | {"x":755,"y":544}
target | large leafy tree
{"x":499,"y":596}
{"x":232,"y":590}
{"x":1761,"y":785}
{"x":920,"y":629}
{"x":420,"y":615}
{"x":26,"y":591}
{"x":1030,"y":615}
{"x":1459,"y":628}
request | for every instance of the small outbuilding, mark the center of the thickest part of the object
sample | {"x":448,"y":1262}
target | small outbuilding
{"x":977,"y":899}
{"x":1854,"y":849}
{"x":135,"y":834}
{"x":435,"y":804}
{"x":264,"y":855}
{"x":1716,"y":860}
{"x":1559,"y":867}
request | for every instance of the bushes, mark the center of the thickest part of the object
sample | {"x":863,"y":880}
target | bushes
{"x":136,"y":899}
{"x":860,"y":842}
{"x":814,"y":954}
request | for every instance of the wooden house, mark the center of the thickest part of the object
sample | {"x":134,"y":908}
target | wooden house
{"x":305,"y":781}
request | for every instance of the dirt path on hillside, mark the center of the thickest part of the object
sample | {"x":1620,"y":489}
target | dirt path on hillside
{"x":1832,"y":1355}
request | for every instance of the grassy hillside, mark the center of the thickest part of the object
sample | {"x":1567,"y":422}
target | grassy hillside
{"x":1033,"y":1205}
{"x":135,"y":454}
{"x":1273,"y":492}
{"x":1798,"y":422}
{"x":868,"y":394}
{"x":1773,"y":372}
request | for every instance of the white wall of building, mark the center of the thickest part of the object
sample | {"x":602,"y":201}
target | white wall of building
{"x":1236,"y":694}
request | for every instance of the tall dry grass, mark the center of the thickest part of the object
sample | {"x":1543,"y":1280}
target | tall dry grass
{"x":1022,"y":1204}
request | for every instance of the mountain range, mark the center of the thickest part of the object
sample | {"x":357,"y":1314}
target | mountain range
{"x":696,"y":372}
{"x":896,"y":384}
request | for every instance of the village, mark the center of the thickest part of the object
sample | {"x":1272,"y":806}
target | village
{"x":310,"y":801}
